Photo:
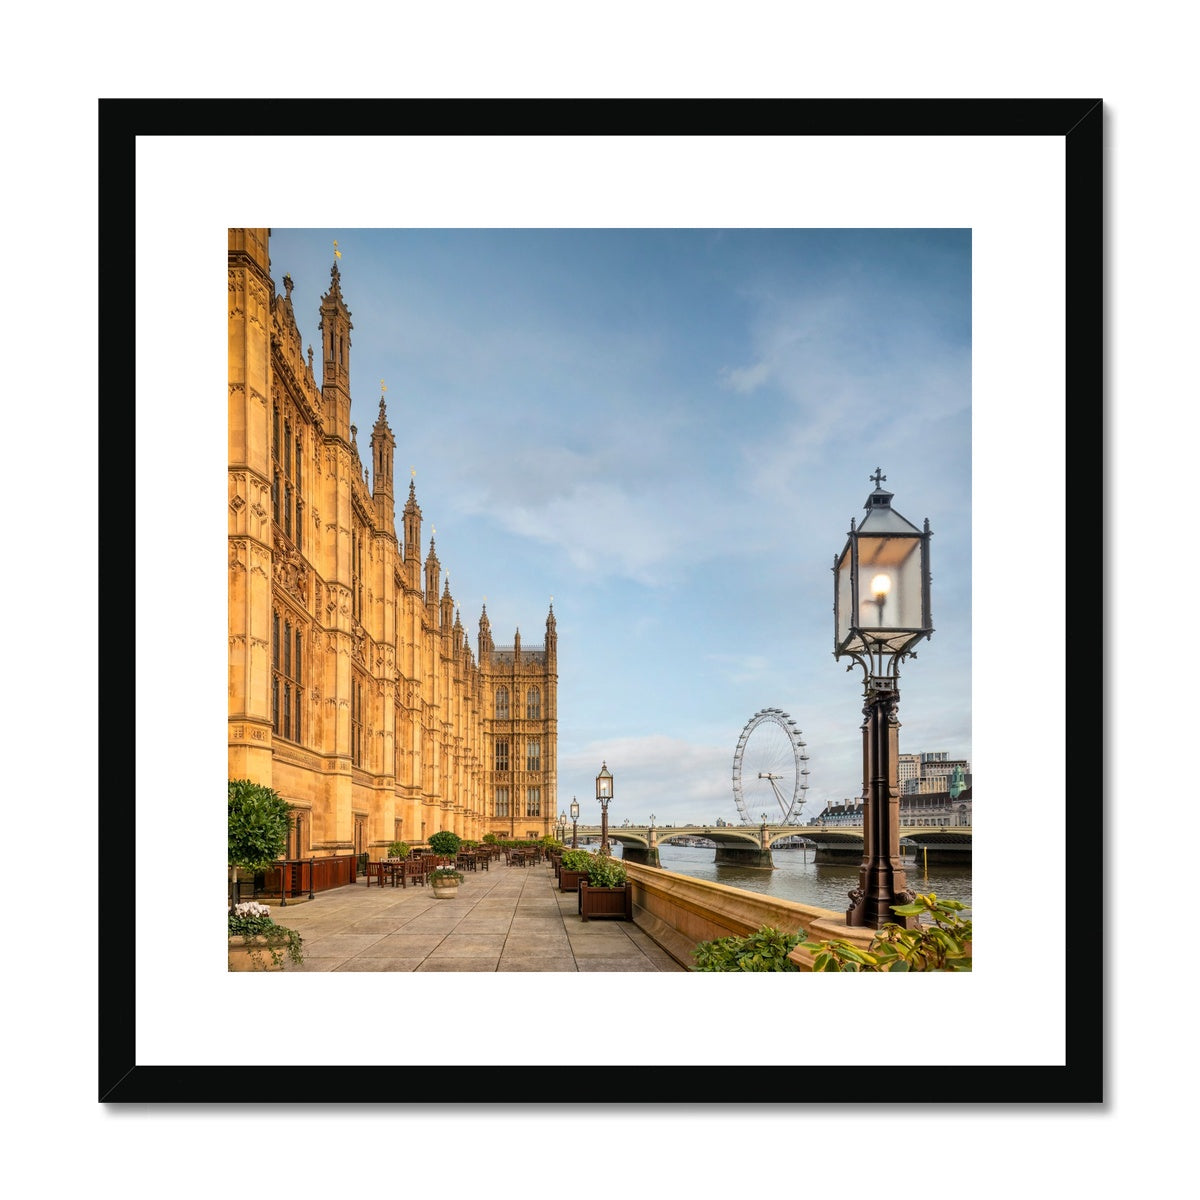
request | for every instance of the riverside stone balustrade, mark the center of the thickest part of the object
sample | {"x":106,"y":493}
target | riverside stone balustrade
{"x":678,"y":911}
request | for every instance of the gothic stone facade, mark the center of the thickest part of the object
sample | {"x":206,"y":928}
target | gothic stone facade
{"x":353,"y":690}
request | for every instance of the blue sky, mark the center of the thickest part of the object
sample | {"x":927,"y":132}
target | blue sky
{"x":668,"y":431}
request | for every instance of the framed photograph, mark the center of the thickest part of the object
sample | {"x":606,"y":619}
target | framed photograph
{"x":1008,"y":192}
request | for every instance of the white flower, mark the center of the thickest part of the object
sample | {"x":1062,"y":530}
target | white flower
{"x":250,"y":908}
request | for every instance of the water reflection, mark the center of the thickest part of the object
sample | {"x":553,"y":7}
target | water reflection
{"x":796,"y":877}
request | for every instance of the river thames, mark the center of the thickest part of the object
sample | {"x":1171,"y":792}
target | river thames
{"x":796,"y":877}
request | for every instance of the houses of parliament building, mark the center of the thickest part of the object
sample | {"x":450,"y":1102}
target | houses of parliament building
{"x":353,"y":688}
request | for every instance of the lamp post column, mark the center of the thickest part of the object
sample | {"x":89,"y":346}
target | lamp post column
{"x":882,"y":881}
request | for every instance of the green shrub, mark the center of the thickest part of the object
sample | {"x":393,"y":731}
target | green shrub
{"x":576,"y":860}
{"x":445,"y":843}
{"x":766,"y":949}
{"x":604,"y":871}
{"x":943,"y":944}
{"x":258,"y":825}
{"x":399,"y":850}
{"x":444,"y":875}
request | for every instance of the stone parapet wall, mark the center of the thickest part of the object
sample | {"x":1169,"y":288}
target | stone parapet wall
{"x":678,"y":912}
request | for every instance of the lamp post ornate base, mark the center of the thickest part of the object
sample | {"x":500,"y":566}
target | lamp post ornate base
{"x":882,"y":881}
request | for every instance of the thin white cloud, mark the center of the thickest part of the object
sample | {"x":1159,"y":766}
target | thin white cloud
{"x":745,"y":379}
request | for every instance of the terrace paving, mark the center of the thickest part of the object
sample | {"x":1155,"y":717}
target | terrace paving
{"x":507,"y":918}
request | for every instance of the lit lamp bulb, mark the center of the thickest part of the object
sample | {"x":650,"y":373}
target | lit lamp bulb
{"x":881,"y":585}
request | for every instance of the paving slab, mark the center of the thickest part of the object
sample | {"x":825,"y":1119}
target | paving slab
{"x":503,"y":919}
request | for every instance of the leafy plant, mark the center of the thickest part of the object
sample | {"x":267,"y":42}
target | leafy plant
{"x":576,"y":860}
{"x":766,"y":949}
{"x":445,"y":843}
{"x":258,"y":825}
{"x":941,"y":943}
{"x":251,"y":921}
{"x":442,"y":876}
{"x":605,"y":871}
{"x":399,"y":850}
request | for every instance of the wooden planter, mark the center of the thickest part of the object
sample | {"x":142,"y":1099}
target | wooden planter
{"x":615,"y":903}
{"x":568,"y":881}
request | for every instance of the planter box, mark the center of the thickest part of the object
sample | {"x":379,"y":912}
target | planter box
{"x":568,"y":880}
{"x":256,"y":955}
{"x":615,"y":903}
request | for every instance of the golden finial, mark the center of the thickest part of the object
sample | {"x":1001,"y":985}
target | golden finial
{"x":382,"y":386}
{"x":336,"y":252}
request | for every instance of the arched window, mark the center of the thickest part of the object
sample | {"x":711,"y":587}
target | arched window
{"x":533,"y":704}
{"x":502,"y":704}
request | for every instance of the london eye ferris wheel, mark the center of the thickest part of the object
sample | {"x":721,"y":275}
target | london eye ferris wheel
{"x":770,"y":769}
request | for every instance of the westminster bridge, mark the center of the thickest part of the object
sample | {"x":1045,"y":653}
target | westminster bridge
{"x":750,"y":845}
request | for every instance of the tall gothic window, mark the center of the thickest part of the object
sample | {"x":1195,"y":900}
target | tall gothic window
{"x":357,"y":722}
{"x":533,"y":704}
{"x":502,"y":802}
{"x":356,"y":570}
{"x":533,"y":755}
{"x":533,"y":802}
{"x":502,"y":704}
{"x":287,"y":450}
{"x":287,"y":678}
{"x":502,"y":754}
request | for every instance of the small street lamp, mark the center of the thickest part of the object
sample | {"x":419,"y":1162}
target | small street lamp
{"x":604,"y":793}
{"x":562,"y":826}
{"x":574,"y":823}
{"x":880,"y":612}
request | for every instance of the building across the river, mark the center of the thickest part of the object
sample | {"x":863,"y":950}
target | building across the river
{"x":353,"y":688}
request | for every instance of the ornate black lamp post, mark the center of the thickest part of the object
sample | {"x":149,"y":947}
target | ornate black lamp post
{"x":562,"y":826}
{"x":574,"y":823}
{"x":880,"y":612}
{"x":604,"y":792}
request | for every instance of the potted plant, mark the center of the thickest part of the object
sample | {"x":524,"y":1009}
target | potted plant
{"x":606,"y":891}
{"x":256,"y":943}
{"x":258,"y":823}
{"x":400,"y":850}
{"x":573,"y":868}
{"x":445,"y":881}
{"x":445,"y":844}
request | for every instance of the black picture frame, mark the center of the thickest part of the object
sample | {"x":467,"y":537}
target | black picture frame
{"x":1076,"y":125}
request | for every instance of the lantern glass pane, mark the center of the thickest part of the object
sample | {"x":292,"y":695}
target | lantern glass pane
{"x":889,"y":583}
{"x":843,"y":599}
